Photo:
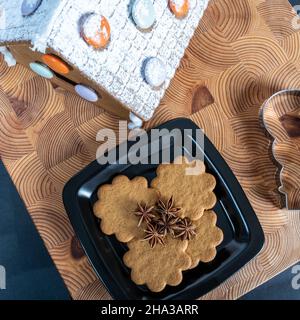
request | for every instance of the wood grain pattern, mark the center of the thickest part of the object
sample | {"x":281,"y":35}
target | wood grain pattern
{"x":281,"y":116}
{"x":243,"y":52}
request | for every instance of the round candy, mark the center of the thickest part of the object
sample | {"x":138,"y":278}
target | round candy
{"x":180,"y":8}
{"x":86,"y":93}
{"x":143,"y":14}
{"x":29,"y":7}
{"x":56,"y":64}
{"x":41,"y":69}
{"x":95,"y":31}
{"x":155,"y":72}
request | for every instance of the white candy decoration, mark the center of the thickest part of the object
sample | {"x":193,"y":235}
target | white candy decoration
{"x":155,"y":72}
{"x":8,"y":57}
{"x":135,"y":123}
{"x":143,"y":14}
{"x":29,"y":7}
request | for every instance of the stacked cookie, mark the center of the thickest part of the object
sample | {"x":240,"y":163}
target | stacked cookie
{"x":168,"y":227}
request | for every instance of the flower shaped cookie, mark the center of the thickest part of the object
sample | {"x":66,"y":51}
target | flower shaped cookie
{"x":159,"y":266}
{"x":208,"y":236}
{"x":117,"y":205}
{"x":189,"y":184}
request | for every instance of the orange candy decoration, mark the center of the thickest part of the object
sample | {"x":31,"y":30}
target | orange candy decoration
{"x":96,"y":31}
{"x":180,"y":8}
{"x":56,"y":64}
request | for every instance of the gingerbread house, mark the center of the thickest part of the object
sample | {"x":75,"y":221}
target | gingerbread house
{"x":118,"y":54}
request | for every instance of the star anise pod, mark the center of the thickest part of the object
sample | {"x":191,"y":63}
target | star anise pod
{"x":145,"y":213}
{"x":154,"y":235}
{"x":185,"y":229}
{"x":167,"y":207}
{"x":167,"y":223}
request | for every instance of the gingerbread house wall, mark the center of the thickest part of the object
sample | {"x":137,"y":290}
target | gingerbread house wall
{"x":116,"y":72}
{"x":24,"y":55}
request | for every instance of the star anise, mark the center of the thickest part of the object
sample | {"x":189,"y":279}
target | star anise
{"x":167,"y":207}
{"x":185,"y":229}
{"x":145,"y":213}
{"x":154,"y":235}
{"x":167,"y":223}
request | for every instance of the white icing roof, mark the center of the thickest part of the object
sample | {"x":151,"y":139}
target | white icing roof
{"x":119,"y":67}
{"x":14,"y":27}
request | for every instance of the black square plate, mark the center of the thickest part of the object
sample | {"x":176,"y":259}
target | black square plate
{"x":243,"y":235}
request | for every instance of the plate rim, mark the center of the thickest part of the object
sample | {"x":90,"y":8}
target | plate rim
{"x":254,"y":246}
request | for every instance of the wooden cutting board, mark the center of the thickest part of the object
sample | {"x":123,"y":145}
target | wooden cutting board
{"x":242,"y":52}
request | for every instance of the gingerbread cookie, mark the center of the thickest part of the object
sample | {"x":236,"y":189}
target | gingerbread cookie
{"x":118,"y":204}
{"x":189,"y":184}
{"x":202,"y":247}
{"x":157,"y":266}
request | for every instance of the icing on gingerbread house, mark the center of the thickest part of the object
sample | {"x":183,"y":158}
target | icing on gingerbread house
{"x":118,"y":54}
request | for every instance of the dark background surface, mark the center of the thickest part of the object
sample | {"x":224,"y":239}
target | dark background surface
{"x":294,"y":2}
{"x":31,"y":273}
